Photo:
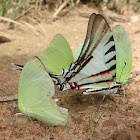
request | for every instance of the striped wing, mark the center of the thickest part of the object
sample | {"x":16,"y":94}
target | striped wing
{"x":96,"y":65}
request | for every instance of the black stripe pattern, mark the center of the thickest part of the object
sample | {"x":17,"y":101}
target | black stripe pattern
{"x":97,"y":28}
{"x":85,"y":56}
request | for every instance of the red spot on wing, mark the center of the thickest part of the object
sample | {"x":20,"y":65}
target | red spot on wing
{"x":71,"y":84}
{"x":75,"y":87}
{"x":111,"y":80}
{"x":79,"y":86}
{"x":107,"y":72}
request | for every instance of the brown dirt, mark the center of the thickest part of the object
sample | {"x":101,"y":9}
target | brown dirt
{"x":121,"y":121}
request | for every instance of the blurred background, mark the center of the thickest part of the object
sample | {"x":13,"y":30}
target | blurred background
{"x":26,"y":28}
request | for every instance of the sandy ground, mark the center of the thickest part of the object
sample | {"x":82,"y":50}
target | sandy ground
{"x":121,"y":121}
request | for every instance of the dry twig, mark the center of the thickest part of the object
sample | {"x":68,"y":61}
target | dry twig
{"x":60,"y":8}
{"x":9,"y":97}
{"x":24,"y":24}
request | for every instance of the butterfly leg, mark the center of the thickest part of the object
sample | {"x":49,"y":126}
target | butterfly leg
{"x":118,"y":95}
{"x":124,"y":90}
{"x":121,"y":95}
{"x":104,"y":96}
{"x":124,"y":94}
{"x":18,"y":114}
{"x":15,"y":116}
{"x":21,"y":114}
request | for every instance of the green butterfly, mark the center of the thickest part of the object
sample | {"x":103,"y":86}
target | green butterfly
{"x":35,"y":93}
{"x":123,"y":54}
{"x":57,"y":56}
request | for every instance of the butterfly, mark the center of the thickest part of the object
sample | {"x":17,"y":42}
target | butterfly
{"x":35,"y":91}
{"x":93,"y":65}
{"x":96,"y":66}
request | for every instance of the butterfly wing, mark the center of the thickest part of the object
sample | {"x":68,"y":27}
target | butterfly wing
{"x":123,"y":54}
{"x":77,"y":51}
{"x":35,"y":93}
{"x":96,"y":64}
{"x":57,"y":55}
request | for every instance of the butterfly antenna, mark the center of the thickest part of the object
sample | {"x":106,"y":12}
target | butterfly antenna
{"x":7,"y":88}
{"x":3,"y":91}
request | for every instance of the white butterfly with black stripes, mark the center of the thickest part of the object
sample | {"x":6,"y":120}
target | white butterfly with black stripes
{"x":95,"y":68}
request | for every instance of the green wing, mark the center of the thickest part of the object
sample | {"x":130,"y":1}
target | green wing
{"x":57,"y":55}
{"x":77,"y":51}
{"x":35,"y":93}
{"x":123,"y":54}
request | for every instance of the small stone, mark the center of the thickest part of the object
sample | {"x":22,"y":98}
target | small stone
{"x":52,"y":138}
{"x":134,"y":18}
